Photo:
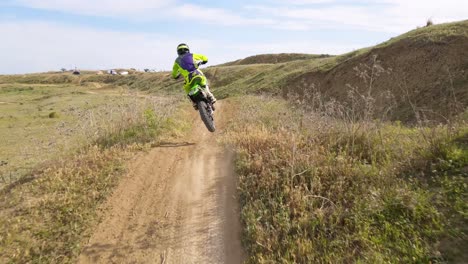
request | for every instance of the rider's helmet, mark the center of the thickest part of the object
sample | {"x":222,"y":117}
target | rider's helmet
{"x":182,"y":49}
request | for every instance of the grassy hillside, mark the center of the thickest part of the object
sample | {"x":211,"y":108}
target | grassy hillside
{"x":40,"y":122}
{"x":260,"y":78}
{"x":420,"y":75}
{"x":140,"y":81}
{"x":64,"y":148}
{"x":317,"y":187}
{"x":274,"y":58}
{"x":327,"y":177}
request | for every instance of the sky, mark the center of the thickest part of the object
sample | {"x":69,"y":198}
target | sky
{"x":47,"y":35}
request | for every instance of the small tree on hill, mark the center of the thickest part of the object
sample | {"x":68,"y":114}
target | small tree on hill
{"x":429,"y":22}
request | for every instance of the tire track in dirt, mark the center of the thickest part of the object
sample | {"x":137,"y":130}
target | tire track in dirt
{"x":178,"y":204}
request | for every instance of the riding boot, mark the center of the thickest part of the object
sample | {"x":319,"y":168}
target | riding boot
{"x":210,"y":95}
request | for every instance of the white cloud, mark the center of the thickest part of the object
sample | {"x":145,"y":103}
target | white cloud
{"x":215,"y":16}
{"x":162,"y":10}
{"x":308,"y":2}
{"x":39,"y":46}
{"x":396,"y":16}
{"x":99,"y":7}
{"x":339,"y":17}
{"x":415,"y":10}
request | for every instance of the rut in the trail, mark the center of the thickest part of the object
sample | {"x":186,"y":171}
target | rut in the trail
{"x":177,"y":205}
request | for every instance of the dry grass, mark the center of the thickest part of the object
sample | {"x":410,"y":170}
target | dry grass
{"x":80,"y":117}
{"x":316,"y":188}
{"x":46,"y":217}
{"x":46,"y":214}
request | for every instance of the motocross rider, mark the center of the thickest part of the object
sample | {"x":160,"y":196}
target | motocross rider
{"x":187,"y":65}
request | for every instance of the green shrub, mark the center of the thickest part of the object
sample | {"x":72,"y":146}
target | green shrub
{"x":53,"y":115}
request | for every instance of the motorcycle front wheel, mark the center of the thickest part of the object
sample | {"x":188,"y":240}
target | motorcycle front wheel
{"x":206,"y":116}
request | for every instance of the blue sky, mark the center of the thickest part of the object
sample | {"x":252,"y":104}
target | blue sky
{"x":43,"y":35}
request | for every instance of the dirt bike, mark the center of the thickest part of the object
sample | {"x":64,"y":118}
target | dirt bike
{"x":198,"y":96}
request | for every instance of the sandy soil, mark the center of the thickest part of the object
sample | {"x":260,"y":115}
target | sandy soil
{"x":178,"y":205}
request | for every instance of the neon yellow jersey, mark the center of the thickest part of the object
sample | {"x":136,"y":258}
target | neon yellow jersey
{"x":187,"y":65}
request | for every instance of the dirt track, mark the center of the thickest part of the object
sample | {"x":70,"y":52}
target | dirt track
{"x":177,"y":205}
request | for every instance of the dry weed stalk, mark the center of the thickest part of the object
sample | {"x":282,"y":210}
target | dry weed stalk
{"x":350,"y":118}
